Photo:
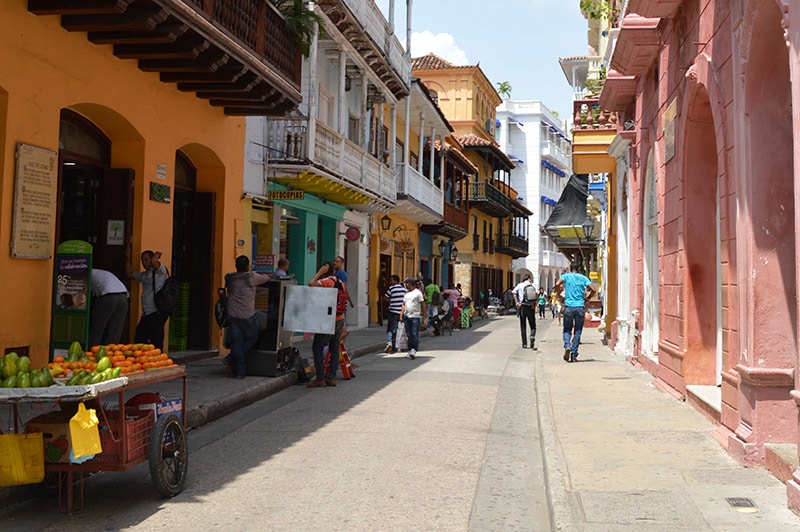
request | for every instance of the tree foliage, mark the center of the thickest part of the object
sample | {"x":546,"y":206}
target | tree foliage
{"x":300,"y":21}
{"x":504,"y":89}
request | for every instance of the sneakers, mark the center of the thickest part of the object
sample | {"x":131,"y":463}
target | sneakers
{"x":567,"y":353}
{"x":316,"y":383}
{"x":524,"y":346}
{"x":533,"y":344}
{"x":412,"y":354}
{"x":330,"y":382}
{"x":388,"y":348}
{"x":573,"y":358}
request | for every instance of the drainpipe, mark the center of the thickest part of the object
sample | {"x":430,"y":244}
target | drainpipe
{"x":312,"y":89}
{"x":342,"y":96}
{"x":421,"y":141}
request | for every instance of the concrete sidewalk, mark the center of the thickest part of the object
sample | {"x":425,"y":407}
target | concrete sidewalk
{"x":621,"y":455}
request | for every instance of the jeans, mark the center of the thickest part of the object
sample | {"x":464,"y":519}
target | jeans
{"x":573,"y":318}
{"x":391,"y":328}
{"x":541,"y":311}
{"x":151,"y":330}
{"x":527,"y":314}
{"x":318,"y":349}
{"x":412,"y":330}
{"x":243,"y":335}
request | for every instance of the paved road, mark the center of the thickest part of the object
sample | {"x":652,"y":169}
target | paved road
{"x":448,"y":441}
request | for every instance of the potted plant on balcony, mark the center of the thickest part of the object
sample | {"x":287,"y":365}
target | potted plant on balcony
{"x":300,"y":21}
{"x":598,"y":9}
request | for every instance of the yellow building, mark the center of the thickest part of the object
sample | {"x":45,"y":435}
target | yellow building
{"x":469,"y":101}
{"x":127,"y":160}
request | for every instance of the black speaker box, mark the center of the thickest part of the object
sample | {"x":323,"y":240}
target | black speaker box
{"x":268,"y":363}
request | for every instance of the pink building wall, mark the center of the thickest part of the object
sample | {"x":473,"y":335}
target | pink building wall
{"x":729,"y":69}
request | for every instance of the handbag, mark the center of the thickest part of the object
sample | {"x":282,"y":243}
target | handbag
{"x":221,"y":308}
{"x":166,"y":298}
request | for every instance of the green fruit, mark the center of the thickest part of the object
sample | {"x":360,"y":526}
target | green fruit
{"x":96,"y":377}
{"x":116,"y":372}
{"x":86,"y":378}
{"x":24,"y":364}
{"x":76,"y":377}
{"x":23,"y":380}
{"x":75,"y":352}
{"x":103,"y":364}
{"x":37,"y":381}
{"x":9,"y":366}
{"x":101,"y":353}
{"x":47,"y":376}
{"x":13,"y":356}
{"x":10,"y":382}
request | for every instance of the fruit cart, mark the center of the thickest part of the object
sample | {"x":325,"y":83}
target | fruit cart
{"x":130,"y":435}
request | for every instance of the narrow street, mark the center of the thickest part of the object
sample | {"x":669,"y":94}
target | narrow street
{"x":448,"y":441}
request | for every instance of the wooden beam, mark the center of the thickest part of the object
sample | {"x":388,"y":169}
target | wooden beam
{"x":77,"y":7}
{"x":187,"y":47}
{"x":166,"y":32}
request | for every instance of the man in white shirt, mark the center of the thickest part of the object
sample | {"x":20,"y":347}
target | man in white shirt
{"x":151,"y":325}
{"x":525,"y":310}
{"x":109,"y":308}
{"x":411,"y":313}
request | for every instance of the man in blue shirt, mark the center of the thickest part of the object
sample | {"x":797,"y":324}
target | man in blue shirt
{"x":576,"y":288}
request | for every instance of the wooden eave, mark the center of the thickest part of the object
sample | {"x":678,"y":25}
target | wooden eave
{"x":349,"y":26}
{"x":247,"y":69}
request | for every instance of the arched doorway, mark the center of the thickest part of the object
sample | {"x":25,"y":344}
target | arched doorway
{"x":95,"y":201}
{"x":650,"y":312}
{"x":702,"y":360}
{"x":192,"y":253}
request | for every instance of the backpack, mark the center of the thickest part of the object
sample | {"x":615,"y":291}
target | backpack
{"x":341,"y":300}
{"x":436,"y":297}
{"x":529,"y":295}
{"x":166,"y":299}
{"x":221,"y":308}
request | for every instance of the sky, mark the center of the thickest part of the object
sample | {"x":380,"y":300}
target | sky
{"x":518,"y":41}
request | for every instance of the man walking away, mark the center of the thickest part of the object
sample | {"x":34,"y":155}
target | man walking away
{"x":394,"y":296}
{"x":109,"y":308}
{"x":412,"y":311}
{"x":525,"y":296}
{"x":576,"y":288}
{"x":242,"y":321}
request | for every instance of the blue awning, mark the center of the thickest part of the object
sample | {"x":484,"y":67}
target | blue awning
{"x":554,"y":168}
{"x":515,"y":159}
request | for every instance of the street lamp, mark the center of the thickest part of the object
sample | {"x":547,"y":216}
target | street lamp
{"x":453,"y":253}
{"x":588,"y":227}
{"x":442,"y":247}
{"x":386,"y":223}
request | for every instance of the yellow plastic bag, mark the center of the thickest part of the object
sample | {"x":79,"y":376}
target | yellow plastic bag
{"x":84,"y":433}
{"x":21,"y":459}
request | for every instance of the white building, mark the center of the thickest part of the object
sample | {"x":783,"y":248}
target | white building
{"x":537,"y":141}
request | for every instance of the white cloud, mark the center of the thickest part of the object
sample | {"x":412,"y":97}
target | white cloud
{"x":441,"y":44}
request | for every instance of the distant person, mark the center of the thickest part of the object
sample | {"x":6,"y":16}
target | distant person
{"x":577,"y":288}
{"x":554,"y":305}
{"x":109,"y":310}
{"x":242,"y":321}
{"x":525,"y":298}
{"x":412,"y":313}
{"x":283,"y":268}
{"x":394,"y":297}
{"x":151,"y":325}
{"x":541,"y":301}
{"x":433,"y":296}
{"x":326,"y":278}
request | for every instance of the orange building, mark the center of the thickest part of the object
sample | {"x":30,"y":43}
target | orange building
{"x":131,"y":161}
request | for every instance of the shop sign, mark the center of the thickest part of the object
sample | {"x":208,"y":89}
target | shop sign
{"x":34,"y":196}
{"x":283,"y":195}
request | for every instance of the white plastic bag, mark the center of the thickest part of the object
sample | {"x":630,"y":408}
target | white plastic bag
{"x":402,"y":337}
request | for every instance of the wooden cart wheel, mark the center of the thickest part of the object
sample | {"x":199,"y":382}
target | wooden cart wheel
{"x":168,"y":455}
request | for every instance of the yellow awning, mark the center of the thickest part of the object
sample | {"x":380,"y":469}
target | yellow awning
{"x":324,"y":188}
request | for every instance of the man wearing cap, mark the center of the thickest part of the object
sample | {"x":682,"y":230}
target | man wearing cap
{"x":411,"y":313}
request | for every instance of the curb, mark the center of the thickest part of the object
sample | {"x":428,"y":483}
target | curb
{"x":559,"y":502}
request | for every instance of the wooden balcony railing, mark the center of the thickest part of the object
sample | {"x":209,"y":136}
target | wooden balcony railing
{"x":513,"y":245}
{"x":489,"y":199}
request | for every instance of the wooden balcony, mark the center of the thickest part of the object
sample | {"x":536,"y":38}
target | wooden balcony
{"x":338,"y":169}
{"x":237,"y":54}
{"x":594,"y":130}
{"x":418,"y":199}
{"x":489,"y":199}
{"x":512,"y":245}
{"x":371,"y":35}
{"x":454,"y":225}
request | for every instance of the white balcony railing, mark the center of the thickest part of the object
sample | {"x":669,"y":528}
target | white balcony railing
{"x":287,"y":143}
{"x":551,"y":152}
{"x":379,"y":30}
{"x":414,"y":184}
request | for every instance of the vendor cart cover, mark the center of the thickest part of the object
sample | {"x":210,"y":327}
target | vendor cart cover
{"x":571,"y":207}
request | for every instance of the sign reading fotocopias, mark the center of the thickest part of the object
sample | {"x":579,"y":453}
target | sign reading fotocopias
{"x":34,"y":202}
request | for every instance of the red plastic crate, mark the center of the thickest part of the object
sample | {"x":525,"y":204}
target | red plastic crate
{"x":139,"y":425}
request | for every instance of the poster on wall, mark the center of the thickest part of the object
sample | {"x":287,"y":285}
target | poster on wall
{"x":35,"y":182}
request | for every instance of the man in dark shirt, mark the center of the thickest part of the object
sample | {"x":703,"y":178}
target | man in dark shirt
{"x":242,"y":322}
